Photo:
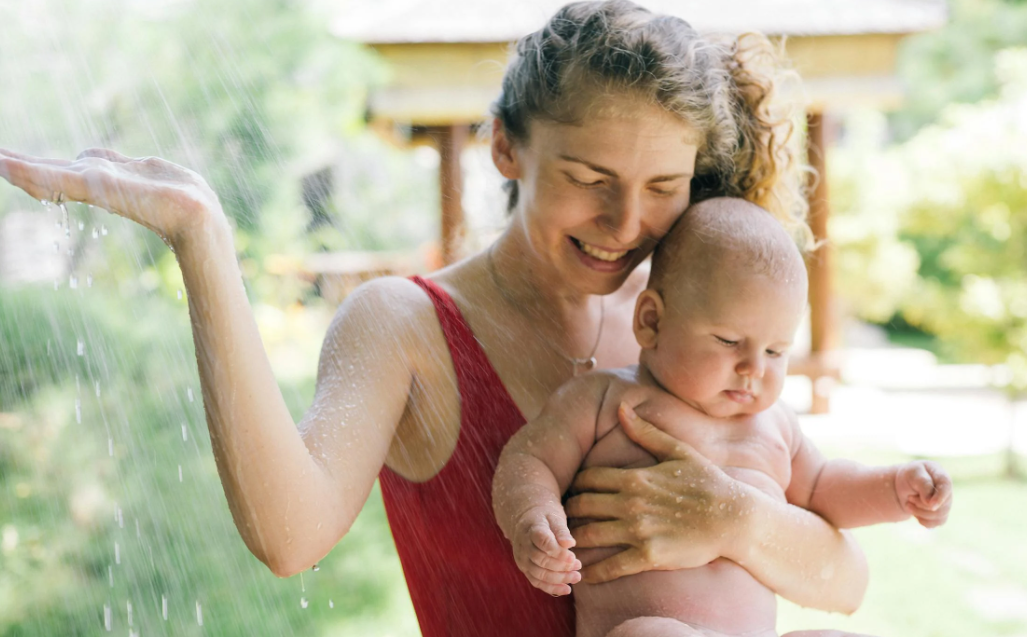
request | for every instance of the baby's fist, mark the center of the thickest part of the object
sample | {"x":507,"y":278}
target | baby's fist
{"x":924,"y":490}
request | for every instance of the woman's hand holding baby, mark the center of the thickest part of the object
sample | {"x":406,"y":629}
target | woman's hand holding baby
{"x":924,"y":491}
{"x":680,"y":513}
{"x":541,"y":545}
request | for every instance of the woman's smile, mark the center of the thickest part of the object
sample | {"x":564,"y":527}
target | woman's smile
{"x":600,"y":259}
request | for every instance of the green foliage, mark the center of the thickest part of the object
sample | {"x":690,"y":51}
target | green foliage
{"x":954,"y":64}
{"x":953,"y":200}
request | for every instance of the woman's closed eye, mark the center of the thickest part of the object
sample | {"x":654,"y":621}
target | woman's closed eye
{"x":585,"y":183}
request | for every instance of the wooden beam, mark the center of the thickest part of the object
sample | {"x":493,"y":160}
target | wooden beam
{"x":823,"y":317}
{"x":450,"y":141}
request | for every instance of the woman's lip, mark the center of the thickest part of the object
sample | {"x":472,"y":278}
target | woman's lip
{"x":603,"y":248}
{"x":598,"y":264}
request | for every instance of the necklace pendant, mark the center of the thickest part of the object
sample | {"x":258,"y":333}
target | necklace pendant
{"x":582,"y":365}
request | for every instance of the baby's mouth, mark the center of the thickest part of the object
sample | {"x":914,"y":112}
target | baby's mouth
{"x":741,"y":396}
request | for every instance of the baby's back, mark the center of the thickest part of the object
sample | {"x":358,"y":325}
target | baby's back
{"x":721,"y":595}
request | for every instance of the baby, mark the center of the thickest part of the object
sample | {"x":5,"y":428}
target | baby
{"x":726,"y":294}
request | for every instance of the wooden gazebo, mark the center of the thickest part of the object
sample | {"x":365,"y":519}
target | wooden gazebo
{"x":447,"y":59}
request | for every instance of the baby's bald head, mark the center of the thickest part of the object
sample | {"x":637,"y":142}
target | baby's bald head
{"x":719,"y":240}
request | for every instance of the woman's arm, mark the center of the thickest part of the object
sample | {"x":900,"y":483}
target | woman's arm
{"x":292,"y":496}
{"x":685,"y":512}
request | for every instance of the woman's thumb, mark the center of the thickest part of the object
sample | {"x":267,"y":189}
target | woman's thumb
{"x":657,"y":442}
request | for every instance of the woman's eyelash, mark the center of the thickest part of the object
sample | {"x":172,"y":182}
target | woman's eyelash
{"x":588,"y":184}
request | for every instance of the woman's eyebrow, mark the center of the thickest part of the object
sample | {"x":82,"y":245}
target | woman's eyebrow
{"x":610,"y":173}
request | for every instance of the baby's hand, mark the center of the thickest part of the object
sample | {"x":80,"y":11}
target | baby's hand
{"x":542,"y":551}
{"x":924,"y":490}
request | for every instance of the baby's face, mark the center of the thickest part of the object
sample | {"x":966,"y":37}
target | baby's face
{"x":727,"y":353}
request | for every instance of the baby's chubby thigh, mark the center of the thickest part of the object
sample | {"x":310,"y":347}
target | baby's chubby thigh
{"x":667,"y":627}
{"x":720,"y":598}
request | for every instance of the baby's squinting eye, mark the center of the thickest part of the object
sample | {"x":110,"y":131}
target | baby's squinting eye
{"x":724,"y":341}
{"x":773,"y":354}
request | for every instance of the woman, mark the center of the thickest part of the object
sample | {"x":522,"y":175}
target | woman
{"x":611,"y":119}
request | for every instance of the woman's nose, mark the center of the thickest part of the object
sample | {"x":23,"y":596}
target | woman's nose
{"x":623,"y":218}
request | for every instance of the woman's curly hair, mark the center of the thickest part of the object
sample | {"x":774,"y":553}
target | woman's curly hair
{"x":723,"y":87}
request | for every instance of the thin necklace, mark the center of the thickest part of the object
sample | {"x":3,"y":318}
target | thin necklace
{"x":579,"y":364}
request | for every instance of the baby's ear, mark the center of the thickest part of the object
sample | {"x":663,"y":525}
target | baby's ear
{"x":648,"y":312}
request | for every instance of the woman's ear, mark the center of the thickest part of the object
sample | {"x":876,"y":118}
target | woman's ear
{"x":504,"y":155}
{"x":648,"y":313}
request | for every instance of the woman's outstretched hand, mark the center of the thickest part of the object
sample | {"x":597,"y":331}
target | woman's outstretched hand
{"x":155,"y":193}
{"x":680,"y":513}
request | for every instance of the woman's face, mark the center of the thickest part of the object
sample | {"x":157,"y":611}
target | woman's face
{"x":595,"y":198}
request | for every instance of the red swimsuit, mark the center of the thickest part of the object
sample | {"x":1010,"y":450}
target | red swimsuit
{"x":458,"y":566}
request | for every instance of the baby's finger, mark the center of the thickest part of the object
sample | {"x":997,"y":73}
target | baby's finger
{"x":563,"y":536}
{"x":542,"y":537}
{"x":942,"y":486}
{"x":536,"y":573}
{"x":556,"y":590}
{"x":561,"y":564}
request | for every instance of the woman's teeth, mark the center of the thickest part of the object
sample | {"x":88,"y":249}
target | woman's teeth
{"x":597,"y":253}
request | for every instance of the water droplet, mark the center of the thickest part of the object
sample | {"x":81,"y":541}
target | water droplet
{"x":679,"y":499}
{"x":110,"y":575}
{"x":81,"y":348}
{"x":199,"y":613}
{"x":316,"y":568}
{"x":179,"y":473}
{"x":164,"y":607}
{"x":96,"y":233}
{"x":180,"y":295}
{"x":722,"y":506}
{"x":89,"y":280}
{"x":678,"y":514}
{"x":103,"y":230}
{"x":110,"y":446}
{"x":185,"y":433}
{"x":117,"y":553}
{"x":64,"y":219}
{"x":677,"y":472}
{"x":108,"y":620}
{"x":46,"y":204}
{"x":331,"y":604}
{"x":81,"y":225}
{"x":55,"y":284}
{"x":303,"y":602}
{"x":73,"y":282}
{"x":129,"y":608}
{"x":97,"y":389}
{"x":56,"y":246}
{"x":189,"y":393}
{"x":78,"y":410}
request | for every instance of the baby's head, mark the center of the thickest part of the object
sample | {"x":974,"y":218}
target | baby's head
{"x":725,"y":297}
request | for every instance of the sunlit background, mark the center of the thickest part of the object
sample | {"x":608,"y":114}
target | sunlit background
{"x":112,"y":517}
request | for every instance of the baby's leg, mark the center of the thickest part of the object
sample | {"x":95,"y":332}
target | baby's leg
{"x":654,"y":627}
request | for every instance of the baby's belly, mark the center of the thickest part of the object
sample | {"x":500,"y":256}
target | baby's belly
{"x":720,"y":596}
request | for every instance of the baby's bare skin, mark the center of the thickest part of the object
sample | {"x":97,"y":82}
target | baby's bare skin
{"x":754,"y":449}
{"x":709,"y":375}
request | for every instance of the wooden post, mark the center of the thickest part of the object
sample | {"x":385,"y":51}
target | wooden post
{"x":823,"y":319}
{"x":450,"y":141}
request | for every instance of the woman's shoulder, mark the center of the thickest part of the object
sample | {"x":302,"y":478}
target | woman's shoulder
{"x":388,"y":307}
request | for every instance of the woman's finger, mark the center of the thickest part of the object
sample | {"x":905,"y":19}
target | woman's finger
{"x":599,"y":480}
{"x":4,"y":152}
{"x":603,"y":535}
{"x":627,"y":562}
{"x":595,"y":505}
{"x":657,"y":442}
{"x":104,"y":153}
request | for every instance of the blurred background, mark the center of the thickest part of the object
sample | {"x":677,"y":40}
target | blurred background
{"x":344,"y":142}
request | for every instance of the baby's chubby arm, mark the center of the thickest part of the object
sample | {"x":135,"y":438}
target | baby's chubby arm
{"x":848,"y":494}
{"x":536,"y":467}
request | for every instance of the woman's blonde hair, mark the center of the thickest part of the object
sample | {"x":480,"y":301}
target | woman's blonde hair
{"x":722,"y":87}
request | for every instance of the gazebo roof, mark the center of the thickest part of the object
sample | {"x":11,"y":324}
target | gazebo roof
{"x":481,"y":21}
